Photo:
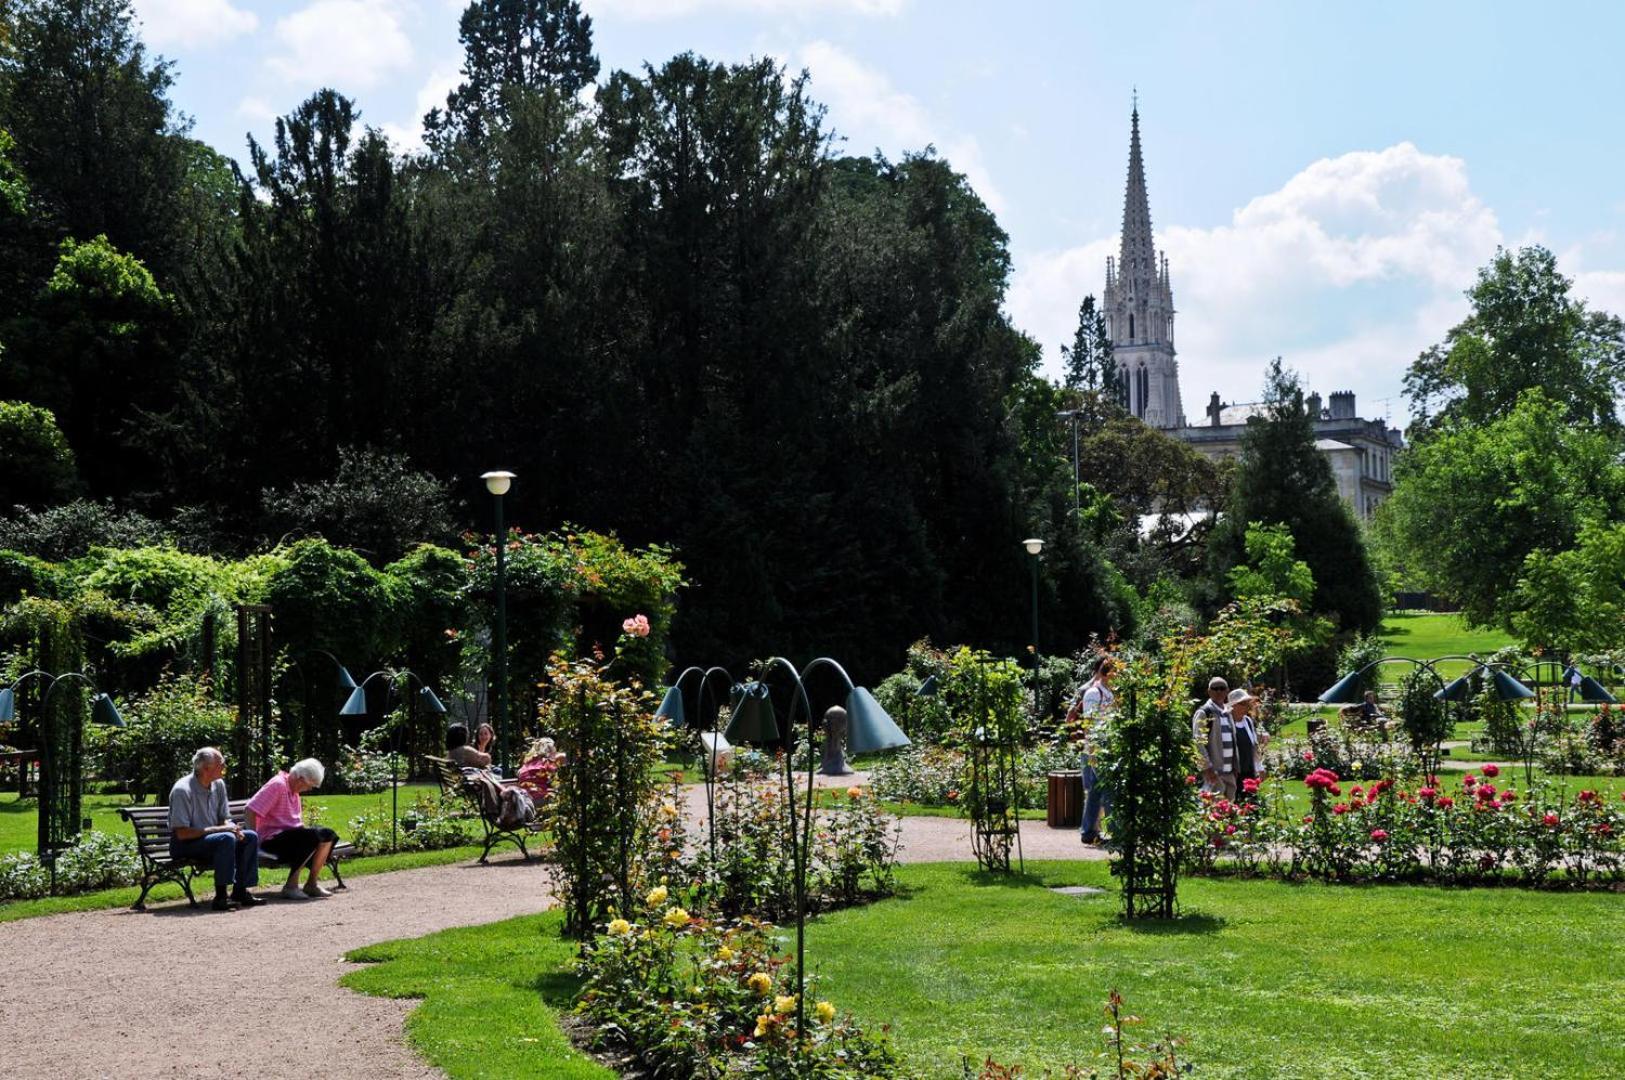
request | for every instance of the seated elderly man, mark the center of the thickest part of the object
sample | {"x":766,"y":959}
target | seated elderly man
{"x":200,"y":827}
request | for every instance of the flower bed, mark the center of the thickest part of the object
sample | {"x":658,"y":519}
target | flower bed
{"x":691,"y":997}
{"x":1475,"y":830}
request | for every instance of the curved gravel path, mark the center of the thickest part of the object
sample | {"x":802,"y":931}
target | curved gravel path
{"x":175,"y":992}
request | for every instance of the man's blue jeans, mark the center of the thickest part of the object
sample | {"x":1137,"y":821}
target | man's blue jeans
{"x":236,"y":862}
{"x":1096,"y":799}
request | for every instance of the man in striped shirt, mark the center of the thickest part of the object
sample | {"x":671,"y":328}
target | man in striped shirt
{"x":1215,"y":735}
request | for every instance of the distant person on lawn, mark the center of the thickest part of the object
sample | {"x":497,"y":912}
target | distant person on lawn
{"x":1089,"y":710}
{"x":200,"y":827}
{"x":1215,"y":733}
{"x":277,"y":813}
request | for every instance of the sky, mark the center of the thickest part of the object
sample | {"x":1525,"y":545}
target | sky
{"x":1325,"y":180}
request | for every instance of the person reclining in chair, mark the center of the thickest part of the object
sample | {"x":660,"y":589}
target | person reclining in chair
{"x":1362,"y":714}
{"x":200,"y":827}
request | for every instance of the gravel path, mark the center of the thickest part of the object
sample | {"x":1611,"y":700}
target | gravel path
{"x":175,"y":992}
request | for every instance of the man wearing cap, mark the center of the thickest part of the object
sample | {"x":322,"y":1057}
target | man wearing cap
{"x":1215,"y":735}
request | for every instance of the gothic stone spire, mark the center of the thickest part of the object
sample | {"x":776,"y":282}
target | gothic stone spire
{"x":1138,"y":262}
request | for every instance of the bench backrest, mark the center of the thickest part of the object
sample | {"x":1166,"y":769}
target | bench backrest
{"x":449,"y":773}
{"x":152,"y":825}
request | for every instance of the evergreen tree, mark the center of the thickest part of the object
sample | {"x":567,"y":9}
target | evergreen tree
{"x":1089,"y":363}
{"x":1282,"y":479}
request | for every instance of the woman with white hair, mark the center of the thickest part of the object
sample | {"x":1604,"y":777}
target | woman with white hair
{"x":278,"y":815}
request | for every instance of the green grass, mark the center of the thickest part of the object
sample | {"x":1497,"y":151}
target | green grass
{"x":1262,"y":978}
{"x":491,"y":997}
{"x":1424,"y":636}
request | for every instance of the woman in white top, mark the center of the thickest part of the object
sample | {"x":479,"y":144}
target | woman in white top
{"x":1092,"y":701}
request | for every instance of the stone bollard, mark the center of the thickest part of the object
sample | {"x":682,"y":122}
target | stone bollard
{"x":835,"y":743}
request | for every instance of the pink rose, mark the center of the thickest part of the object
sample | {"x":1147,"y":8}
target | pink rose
{"x":636,"y":626}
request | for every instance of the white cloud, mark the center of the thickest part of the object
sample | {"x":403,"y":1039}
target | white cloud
{"x":1347,"y":271}
{"x":348,"y":44}
{"x":256,"y":111}
{"x":191,"y":23}
{"x":676,"y":9}
{"x":407,"y":136}
{"x":866,"y":108}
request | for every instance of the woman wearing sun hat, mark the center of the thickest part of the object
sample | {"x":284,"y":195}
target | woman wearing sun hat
{"x":1250,"y":735}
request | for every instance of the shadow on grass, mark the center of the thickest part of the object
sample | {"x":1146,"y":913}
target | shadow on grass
{"x":1194,"y":923}
{"x":558,"y":989}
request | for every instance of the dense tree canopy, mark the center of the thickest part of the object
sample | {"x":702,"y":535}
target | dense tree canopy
{"x":667,"y":305}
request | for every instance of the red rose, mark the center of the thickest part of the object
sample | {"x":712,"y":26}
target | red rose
{"x":1379,"y":835}
{"x":1588,"y":796}
{"x":1308,"y":818}
{"x":1249,"y":785}
{"x":1491,"y":769}
{"x":1550,"y":820}
{"x":1229,"y":830}
{"x":1191,"y":780}
{"x":1336,"y":789}
{"x":1508,"y":795}
{"x":1446,"y":801}
{"x":1340,"y":808}
{"x":1469,"y":780}
{"x":1427,"y":793}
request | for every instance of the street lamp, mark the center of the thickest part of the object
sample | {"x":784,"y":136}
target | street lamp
{"x":754,"y":720}
{"x":1034,"y":546}
{"x":356,"y":705}
{"x":497,"y":483}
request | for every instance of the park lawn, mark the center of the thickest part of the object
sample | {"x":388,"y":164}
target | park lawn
{"x":1262,"y":978}
{"x":19,"y":820}
{"x":1425,"y":635}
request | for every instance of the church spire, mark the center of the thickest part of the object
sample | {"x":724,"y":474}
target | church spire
{"x":1137,"y":263}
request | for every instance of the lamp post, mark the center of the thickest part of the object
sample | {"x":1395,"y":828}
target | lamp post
{"x":1073,"y":415}
{"x":498,"y":483}
{"x":1034,"y":546}
{"x":754,"y":720}
{"x":356,"y":705}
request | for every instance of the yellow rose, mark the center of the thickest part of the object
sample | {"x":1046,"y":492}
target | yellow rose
{"x":619,"y":927}
{"x":657,"y":896}
{"x":826,"y":1012}
{"x":725,"y":954}
{"x":761,"y":983}
{"x":676,"y":918}
{"x":763,"y":1024}
{"x":854,"y":793}
{"x":668,"y":809}
{"x":784,"y":1003}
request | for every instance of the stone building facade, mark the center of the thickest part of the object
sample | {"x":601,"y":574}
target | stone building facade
{"x":1139,"y":309}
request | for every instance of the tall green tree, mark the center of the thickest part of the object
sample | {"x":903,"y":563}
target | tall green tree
{"x":1088,"y":360}
{"x":511,"y":48}
{"x":1525,"y":330}
{"x":1473,"y":503}
{"x":96,"y":133}
{"x":1282,"y":479}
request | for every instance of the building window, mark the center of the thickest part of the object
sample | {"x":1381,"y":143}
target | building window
{"x":1131,"y":327}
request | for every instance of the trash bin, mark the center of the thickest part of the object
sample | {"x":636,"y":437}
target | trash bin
{"x":1065,"y":807}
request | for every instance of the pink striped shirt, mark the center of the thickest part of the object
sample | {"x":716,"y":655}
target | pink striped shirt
{"x":276,"y":808}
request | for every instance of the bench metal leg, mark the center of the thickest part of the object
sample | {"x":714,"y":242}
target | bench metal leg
{"x":338,"y":877}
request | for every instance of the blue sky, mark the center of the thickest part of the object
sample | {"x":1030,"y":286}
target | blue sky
{"x":1324,"y":180}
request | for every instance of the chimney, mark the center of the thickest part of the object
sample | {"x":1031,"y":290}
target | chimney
{"x":1343,"y":405}
{"x":1313,"y":403}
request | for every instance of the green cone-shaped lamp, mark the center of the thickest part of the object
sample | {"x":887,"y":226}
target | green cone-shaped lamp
{"x":753,"y":719}
{"x":868,"y":726}
{"x":1345,"y":691}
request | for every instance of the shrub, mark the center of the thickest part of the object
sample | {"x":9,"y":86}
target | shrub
{"x":927,"y":775}
{"x":428,"y":825}
{"x":375,"y":502}
{"x":691,"y":997}
{"x":854,"y":854}
{"x":98,"y":860}
{"x":163,"y":729}
{"x":36,"y":464}
{"x":68,"y":531}
{"x":1428,"y":721}
{"x":606,"y":795}
{"x":22,"y":877}
{"x":359,"y":770}
{"x":1502,"y":727}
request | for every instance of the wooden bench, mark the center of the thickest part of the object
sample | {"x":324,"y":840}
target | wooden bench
{"x":157,"y":865}
{"x":454,"y":782}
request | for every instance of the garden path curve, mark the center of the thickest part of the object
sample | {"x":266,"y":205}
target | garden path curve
{"x":180,"y":993}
